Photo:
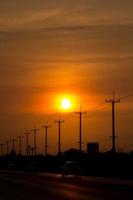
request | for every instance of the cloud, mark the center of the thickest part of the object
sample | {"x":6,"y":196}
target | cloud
{"x":18,"y":15}
{"x":50,"y":41}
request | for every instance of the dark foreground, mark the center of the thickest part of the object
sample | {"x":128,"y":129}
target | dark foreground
{"x":23,"y":186}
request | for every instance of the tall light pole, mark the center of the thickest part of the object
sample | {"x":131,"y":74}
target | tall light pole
{"x":35,"y":142}
{"x":27,"y":142}
{"x":46,"y":127}
{"x":20,"y":143}
{"x":80,"y":113}
{"x":113,"y":101}
{"x":59,"y":122}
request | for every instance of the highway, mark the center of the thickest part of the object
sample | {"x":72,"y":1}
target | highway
{"x":24,"y":186}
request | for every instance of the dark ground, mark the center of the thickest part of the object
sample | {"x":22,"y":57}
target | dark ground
{"x":24,"y":186}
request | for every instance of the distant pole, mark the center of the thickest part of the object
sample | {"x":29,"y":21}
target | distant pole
{"x":29,"y":149}
{"x":59,"y":122}
{"x":113,"y":101}
{"x":32,"y":151}
{"x":80,"y":113}
{"x":27,"y":142}
{"x":13,"y":144}
{"x":7,"y":147}
{"x":46,"y":137}
{"x":1,"y":148}
{"x":20,"y":143}
{"x":35,"y":145}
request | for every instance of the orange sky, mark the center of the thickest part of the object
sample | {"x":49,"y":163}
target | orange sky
{"x":82,"y":49}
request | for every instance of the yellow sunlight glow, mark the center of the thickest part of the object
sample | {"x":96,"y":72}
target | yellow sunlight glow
{"x":65,"y":104}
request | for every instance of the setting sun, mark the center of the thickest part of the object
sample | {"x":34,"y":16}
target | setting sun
{"x":65,"y":104}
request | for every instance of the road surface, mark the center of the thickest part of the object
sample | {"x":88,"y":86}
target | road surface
{"x":23,"y":186}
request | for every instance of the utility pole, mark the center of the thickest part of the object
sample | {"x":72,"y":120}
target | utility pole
{"x":20,"y":143}
{"x":113,"y":101}
{"x":80,"y":113}
{"x":1,"y":149}
{"x":59,"y":122}
{"x":13,"y":144}
{"x":29,"y":149}
{"x":27,"y":142}
{"x":46,"y":137}
{"x":35,"y":146}
{"x":7,"y":146}
{"x":32,"y":151}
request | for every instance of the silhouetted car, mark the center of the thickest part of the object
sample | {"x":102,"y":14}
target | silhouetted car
{"x":11,"y":166}
{"x":31,"y":167}
{"x":71,"y":168}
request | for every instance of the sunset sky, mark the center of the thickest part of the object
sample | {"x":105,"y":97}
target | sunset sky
{"x":75,"y":49}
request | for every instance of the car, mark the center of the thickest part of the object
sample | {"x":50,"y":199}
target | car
{"x":11,"y":166}
{"x":71,"y":168}
{"x":31,"y":167}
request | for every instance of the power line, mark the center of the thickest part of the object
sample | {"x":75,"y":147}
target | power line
{"x":126,"y":96}
{"x":27,"y":142}
{"x":20,"y":143}
{"x":69,"y":116}
{"x":46,"y":127}
{"x":7,"y":146}
{"x":80,"y":113}
{"x":113,"y":101}
{"x":35,"y":142}
{"x":13,"y":144}
{"x":59,"y":122}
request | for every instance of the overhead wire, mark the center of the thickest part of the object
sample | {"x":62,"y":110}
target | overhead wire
{"x":127,"y":96}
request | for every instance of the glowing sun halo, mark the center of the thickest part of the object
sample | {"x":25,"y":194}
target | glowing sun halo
{"x":65,"y":104}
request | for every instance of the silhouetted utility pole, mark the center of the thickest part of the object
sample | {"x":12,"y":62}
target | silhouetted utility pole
{"x":80,"y":113}
{"x":32,"y":151}
{"x":29,"y":148}
{"x":1,"y":149}
{"x":27,"y":142}
{"x":13,"y":144}
{"x":35,"y":146}
{"x":113,"y":102}
{"x":59,"y":122}
{"x":7,"y":147}
{"x":20,"y":143}
{"x":46,"y":137}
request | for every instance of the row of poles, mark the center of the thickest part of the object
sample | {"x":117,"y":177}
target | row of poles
{"x":33,"y":150}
